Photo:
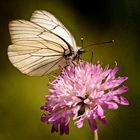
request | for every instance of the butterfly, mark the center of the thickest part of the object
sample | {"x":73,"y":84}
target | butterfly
{"x":41,"y":45}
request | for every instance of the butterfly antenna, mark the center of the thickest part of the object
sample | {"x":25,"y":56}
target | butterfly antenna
{"x":101,"y":43}
{"x":82,"y":42}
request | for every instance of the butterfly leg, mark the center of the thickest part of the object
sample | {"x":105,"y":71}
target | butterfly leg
{"x":92,"y":57}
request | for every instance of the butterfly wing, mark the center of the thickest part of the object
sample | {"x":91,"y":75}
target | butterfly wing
{"x":37,"y":50}
{"x":49,"y":22}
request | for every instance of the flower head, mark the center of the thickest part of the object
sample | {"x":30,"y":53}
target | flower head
{"x":83,"y":92}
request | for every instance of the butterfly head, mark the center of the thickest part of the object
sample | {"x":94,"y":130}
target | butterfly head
{"x":80,"y":51}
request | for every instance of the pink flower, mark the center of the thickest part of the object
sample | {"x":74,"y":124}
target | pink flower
{"x":83,"y":92}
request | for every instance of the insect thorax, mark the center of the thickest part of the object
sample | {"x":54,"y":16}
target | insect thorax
{"x":74,"y":55}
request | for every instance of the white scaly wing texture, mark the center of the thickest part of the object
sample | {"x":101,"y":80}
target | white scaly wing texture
{"x":39,"y":45}
{"x":49,"y":22}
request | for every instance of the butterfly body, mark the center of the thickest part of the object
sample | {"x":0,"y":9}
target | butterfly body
{"x":40,"y":45}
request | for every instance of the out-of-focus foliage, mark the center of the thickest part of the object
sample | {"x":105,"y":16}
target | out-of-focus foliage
{"x":21,"y":96}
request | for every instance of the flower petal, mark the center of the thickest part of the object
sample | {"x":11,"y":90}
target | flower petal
{"x":54,"y":128}
{"x":113,"y":83}
{"x":93,"y":125}
{"x":112,"y":73}
{"x":64,"y":129}
{"x":110,"y":105}
{"x":118,"y":91}
{"x":79,"y":123}
{"x":121,"y":100}
{"x":100,"y":111}
{"x":103,"y":120}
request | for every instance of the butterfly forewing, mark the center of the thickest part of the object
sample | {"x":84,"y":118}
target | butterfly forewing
{"x":39,"y":45}
{"x":49,"y":22}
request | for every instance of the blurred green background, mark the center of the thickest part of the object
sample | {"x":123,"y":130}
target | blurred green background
{"x":96,"y":21}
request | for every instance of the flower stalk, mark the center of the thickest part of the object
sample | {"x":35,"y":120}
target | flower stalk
{"x":95,"y":135}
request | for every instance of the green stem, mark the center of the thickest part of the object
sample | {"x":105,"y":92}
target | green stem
{"x":95,"y":135}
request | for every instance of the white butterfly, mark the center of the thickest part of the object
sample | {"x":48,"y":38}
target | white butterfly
{"x":41,"y":44}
